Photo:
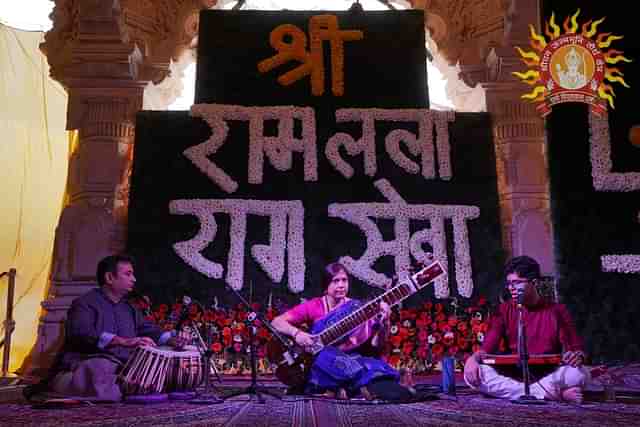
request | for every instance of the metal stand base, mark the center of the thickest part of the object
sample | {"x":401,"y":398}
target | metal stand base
{"x":527,"y":399}
{"x":206,"y":399}
{"x":255,"y":390}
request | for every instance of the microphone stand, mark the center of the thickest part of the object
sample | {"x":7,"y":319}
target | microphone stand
{"x":206,"y":398}
{"x":523,"y":353}
{"x":254,"y":389}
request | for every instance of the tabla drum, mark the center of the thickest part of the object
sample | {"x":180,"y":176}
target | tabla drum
{"x":185,"y":371}
{"x":161,"y":370}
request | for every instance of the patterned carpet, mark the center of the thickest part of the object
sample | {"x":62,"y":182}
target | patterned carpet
{"x":467,"y":409}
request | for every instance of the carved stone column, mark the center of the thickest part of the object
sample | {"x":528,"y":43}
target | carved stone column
{"x":519,"y":137}
{"x":476,"y":39}
{"x":95,"y":50}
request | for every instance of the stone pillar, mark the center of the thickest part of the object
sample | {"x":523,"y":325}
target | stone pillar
{"x":519,"y":138}
{"x":105,"y":53}
{"x":99,"y":69}
{"x":93,"y":223}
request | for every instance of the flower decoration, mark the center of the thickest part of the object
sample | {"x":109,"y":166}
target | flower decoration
{"x":270,"y":257}
{"x":417,"y":145}
{"x":604,"y":179}
{"x":419,"y":337}
{"x":407,"y":245}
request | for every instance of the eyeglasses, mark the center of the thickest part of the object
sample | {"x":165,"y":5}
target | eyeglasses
{"x":517,"y":282}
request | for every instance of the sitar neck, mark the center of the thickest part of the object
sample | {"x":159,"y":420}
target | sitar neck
{"x":391,"y":297}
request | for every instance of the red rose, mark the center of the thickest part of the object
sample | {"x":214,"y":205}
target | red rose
{"x":394,"y":360}
{"x":437,"y":349}
{"x":422,"y":335}
{"x":439,"y":307}
{"x":163,"y":308}
{"x":396,"y":340}
{"x":407,"y":348}
{"x":462,"y":342}
{"x":216,"y":347}
{"x":422,"y":353}
{"x":444,"y":327}
{"x":423,"y":321}
{"x":448,"y":339}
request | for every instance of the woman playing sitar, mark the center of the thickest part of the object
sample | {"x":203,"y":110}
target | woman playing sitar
{"x":351,"y":366}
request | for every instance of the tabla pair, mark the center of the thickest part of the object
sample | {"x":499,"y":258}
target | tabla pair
{"x":161,"y":370}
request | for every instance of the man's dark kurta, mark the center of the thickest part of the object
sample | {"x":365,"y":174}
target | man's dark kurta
{"x":93,"y":315}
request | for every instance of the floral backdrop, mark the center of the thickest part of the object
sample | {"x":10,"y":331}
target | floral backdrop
{"x":419,"y":337}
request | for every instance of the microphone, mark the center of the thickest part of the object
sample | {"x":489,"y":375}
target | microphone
{"x":519,"y":291}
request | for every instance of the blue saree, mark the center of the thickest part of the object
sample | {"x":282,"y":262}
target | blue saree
{"x":333,"y":368}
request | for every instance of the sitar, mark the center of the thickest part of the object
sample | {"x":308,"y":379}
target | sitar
{"x":293,"y":363}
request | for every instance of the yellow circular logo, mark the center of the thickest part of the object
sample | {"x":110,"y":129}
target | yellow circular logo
{"x":572,"y":66}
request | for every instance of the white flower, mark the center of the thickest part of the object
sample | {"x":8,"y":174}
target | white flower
{"x":431,"y":339}
{"x":601,"y":165}
{"x":621,"y":263}
{"x":417,"y":145}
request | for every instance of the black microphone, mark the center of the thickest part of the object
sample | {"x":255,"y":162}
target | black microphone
{"x":520,"y":295}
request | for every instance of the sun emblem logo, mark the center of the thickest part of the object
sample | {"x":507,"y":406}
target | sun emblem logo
{"x":572,"y":67}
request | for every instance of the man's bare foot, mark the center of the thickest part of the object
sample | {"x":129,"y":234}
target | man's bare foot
{"x":572,"y":394}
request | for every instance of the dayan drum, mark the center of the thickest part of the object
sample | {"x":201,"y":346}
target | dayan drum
{"x":161,"y":370}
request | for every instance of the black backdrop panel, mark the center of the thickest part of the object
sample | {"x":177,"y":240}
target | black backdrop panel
{"x":381,"y":73}
{"x":590,"y":223}
{"x":386,"y":68}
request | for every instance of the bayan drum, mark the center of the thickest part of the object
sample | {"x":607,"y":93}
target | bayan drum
{"x":161,"y":370}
